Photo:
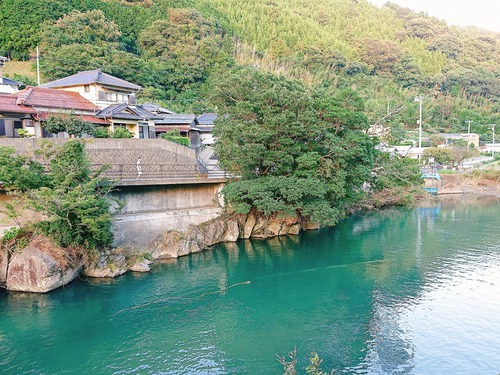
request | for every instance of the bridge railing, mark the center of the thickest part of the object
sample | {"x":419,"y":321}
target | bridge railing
{"x":149,"y":171}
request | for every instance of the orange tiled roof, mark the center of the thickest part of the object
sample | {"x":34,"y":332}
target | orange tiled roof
{"x":89,"y":118}
{"x":51,"y":98}
{"x":8,"y":105}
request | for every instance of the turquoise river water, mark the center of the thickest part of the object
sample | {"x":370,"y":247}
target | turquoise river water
{"x":399,"y":291}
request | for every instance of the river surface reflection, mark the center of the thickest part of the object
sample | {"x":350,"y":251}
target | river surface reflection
{"x":398,"y":291}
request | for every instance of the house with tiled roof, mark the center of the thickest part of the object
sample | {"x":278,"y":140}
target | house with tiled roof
{"x":98,"y":87}
{"x":206,"y":126}
{"x":14,"y":116}
{"x":115,"y":98}
{"x":136,"y":119}
{"x":28,"y":108}
{"x":182,"y":122}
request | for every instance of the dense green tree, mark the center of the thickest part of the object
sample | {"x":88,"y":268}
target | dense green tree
{"x":296,"y":153}
{"x":183,"y":49}
{"x":420,"y":27}
{"x":20,"y":172}
{"x":382,"y":55}
{"x":81,"y":28}
{"x":20,"y":22}
{"x":72,"y":125}
{"x":81,"y":41}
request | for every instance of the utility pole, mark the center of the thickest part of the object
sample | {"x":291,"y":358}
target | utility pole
{"x":419,"y":99}
{"x":493,"y":151}
{"x":37,"y":66}
{"x":468,"y":132}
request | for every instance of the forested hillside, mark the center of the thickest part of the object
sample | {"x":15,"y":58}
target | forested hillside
{"x":177,"y":49}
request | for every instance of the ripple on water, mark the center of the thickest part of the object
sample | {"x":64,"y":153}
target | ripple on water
{"x":383,"y":293}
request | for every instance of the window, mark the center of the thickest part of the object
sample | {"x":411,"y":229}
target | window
{"x":86,"y":88}
{"x":131,"y":99}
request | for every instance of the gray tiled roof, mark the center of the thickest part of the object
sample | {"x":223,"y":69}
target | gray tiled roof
{"x":151,"y":107}
{"x":123,"y":111}
{"x":176,"y":119}
{"x":11,"y":82}
{"x":207,"y":119}
{"x":92,"y":76}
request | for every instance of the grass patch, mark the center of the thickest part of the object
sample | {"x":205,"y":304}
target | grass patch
{"x":486,"y":174}
{"x":14,"y":69}
{"x":447,"y":171}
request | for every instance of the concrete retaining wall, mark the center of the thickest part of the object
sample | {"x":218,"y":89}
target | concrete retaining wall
{"x":169,"y":193}
{"x":450,"y":184}
{"x":152,"y":210}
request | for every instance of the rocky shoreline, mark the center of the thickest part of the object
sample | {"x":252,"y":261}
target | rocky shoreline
{"x":42,"y":266}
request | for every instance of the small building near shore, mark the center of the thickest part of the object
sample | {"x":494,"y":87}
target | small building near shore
{"x":450,"y":138}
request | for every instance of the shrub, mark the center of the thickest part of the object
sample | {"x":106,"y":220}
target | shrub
{"x":175,"y":136}
{"x":69,"y":194}
{"x":101,"y":132}
{"x":121,"y":132}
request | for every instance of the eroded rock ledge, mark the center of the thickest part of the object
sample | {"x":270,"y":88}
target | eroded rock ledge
{"x":173,"y":244}
{"x":43,"y":266}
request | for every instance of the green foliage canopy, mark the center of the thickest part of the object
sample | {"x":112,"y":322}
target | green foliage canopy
{"x":171,"y":48}
{"x":292,"y":159}
{"x":74,"y":126}
{"x":66,"y":191}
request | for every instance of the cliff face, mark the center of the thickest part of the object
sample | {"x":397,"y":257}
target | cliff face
{"x":173,"y":244}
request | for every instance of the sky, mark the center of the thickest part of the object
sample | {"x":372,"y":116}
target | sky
{"x":481,"y":13}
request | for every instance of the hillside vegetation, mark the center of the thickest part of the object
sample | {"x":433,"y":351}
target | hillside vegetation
{"x":173,"y":48}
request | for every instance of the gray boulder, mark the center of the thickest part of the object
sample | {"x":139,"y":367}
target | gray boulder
{"x":35,"y":270}
{"x":142,"y":266}
{"x":108,"y":265}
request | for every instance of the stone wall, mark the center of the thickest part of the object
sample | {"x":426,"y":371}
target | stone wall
{"x":158,"y":159}
{"x":149,"y":211}
{"x":167,"y":192}
{"x":24,"y":214}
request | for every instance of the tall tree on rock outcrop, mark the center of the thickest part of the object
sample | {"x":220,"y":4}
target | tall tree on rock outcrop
{"x":291,"y":157}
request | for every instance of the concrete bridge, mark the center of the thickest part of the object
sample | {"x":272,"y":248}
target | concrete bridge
{"x":166,"y":186}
